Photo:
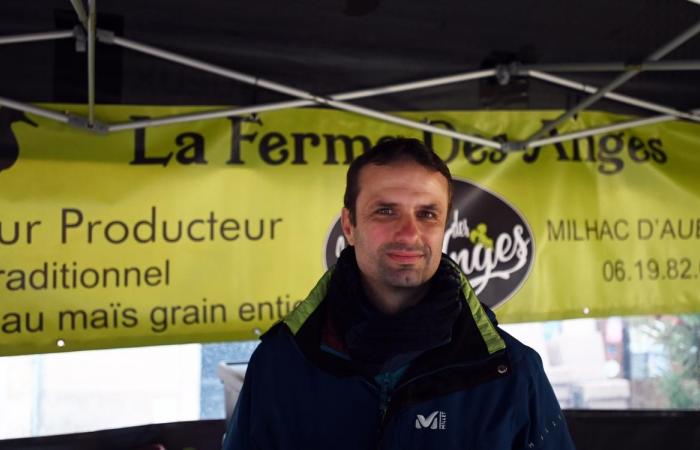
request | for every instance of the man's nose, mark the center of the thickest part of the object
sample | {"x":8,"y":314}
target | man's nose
{"x":407,"y":230}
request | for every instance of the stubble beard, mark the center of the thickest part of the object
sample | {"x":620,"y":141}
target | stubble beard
{"x":404,"y":275}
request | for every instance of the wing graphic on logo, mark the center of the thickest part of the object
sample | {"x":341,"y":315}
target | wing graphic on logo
{"x":429,"y":422}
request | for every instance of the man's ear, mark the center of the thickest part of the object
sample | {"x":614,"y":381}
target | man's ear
{"x":348,"y":228}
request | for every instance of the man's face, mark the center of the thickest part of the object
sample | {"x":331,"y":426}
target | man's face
{"x":400,"y":216}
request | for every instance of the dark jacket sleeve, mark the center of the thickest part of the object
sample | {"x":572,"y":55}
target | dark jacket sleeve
{"x":546,"y":427}
{"x":237,"y":436}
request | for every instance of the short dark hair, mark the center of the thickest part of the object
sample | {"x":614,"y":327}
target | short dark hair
{"x":388,"y":151}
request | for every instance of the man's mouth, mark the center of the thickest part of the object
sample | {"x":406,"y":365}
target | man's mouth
{"x":405,"y":256}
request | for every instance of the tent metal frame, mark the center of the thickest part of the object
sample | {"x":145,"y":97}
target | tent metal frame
{"x":87,"y":35}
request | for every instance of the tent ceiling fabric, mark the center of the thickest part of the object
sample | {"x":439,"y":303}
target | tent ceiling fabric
{"x":328,"y":46}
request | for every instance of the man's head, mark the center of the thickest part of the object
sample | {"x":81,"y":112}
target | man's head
{"x":390,"y":151}
{"x":396,"y":203}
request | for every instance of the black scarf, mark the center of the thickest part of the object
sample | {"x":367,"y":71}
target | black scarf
{"x":373,"y":337}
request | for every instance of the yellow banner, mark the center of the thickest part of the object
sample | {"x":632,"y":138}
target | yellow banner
{"x":211,"y":231}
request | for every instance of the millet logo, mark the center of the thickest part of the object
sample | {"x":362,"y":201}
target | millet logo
{"x":437,"y":420}
{"x":486,"y":236}
{"x":9,"y":149}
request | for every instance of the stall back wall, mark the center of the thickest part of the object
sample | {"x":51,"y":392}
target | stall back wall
{"x":590,"y":430}
{"x":213,"y":230}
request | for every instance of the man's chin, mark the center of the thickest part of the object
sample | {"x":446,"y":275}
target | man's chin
{"x":406,"y":278}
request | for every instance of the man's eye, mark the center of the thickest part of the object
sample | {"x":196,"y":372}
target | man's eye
{"x":427,"y":214}
{"x":385,"y":211}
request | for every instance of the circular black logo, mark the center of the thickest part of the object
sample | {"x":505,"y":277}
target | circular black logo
{"x":487,"y":237}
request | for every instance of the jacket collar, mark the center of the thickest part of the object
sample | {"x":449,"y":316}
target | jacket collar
{"x":477,"y":312}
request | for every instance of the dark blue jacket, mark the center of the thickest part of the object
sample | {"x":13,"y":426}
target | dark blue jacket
{"x":483,"y":390}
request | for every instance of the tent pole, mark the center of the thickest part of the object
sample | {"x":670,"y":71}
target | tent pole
{"x":238,"y":76}
{"x":295,"y":104}
{"x":204,"y":115}
{"x":217,"y":114}
{"x":651,"y":66}
{"x":432,"y":82}
{"x":604,"y":129}
{"x":80,"y":11}
{"x":32,"y":37}
{"x":301,"y":103}
{"x":612,"y":96}
{"x":109,"y":38}
{"x":414,"y":124}
{"x":26,"y":107}
{"x":617,"y":82}
{"x":206,"y":67}
{"x":92,"y":5}
{"x":182,"y":118}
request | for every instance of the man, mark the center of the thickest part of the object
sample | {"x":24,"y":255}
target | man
{"x":391,"y":349}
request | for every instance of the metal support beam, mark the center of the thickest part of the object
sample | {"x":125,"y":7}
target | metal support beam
{"x":413,"y":85}
{"x":80,"y":11}
{"x":34,"y":37}
{"x":42,"y":112}
{"x":299,"y":103}
{"x":338,"y":101}
{"x":277,"y":87}
{"x":598,"y":130}
{"x":211,"y":68}
{"x":91,"y":28}
{"x":613,"y":96}
{"x":617,"y":82}
{"x":649,"y":66}
{"x":205,"y":115}
{"x":352,"y":95}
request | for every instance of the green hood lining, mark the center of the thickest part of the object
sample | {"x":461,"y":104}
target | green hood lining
{"x":494,"y":343}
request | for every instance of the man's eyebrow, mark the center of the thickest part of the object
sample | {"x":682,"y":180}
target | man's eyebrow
{"x":389,"y":204}
{"x":383,"y":204}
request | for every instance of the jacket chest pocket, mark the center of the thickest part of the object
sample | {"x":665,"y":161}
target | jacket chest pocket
{"x":440,"y":430}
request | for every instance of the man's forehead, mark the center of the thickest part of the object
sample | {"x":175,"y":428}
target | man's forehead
{"x":382,"y":181}
{"x":397,"y":168}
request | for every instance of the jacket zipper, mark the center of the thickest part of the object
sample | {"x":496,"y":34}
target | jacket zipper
{"x":384,"y":401}
{"x":451,"y":366}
